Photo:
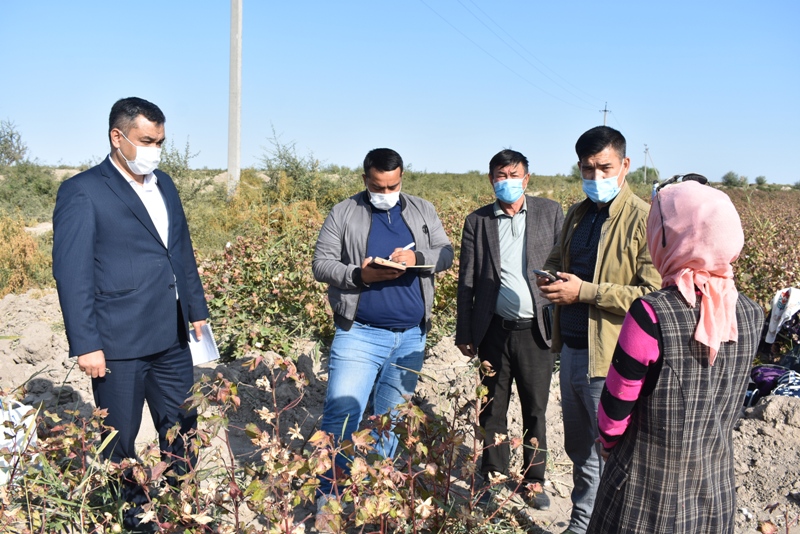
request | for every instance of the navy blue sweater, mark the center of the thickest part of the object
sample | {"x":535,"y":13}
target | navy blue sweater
{"x":395,"y":303}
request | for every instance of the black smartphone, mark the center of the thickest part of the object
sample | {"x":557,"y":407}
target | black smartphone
{"x":544,"y":274}
{"x":547,"y":319}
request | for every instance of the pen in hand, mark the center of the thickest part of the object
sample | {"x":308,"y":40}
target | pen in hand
{"x":407,"y":247}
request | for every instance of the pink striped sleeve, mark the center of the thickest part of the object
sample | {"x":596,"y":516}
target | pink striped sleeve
{"x":636,"y":350}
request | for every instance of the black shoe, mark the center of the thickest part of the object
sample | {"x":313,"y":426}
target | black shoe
{"x":540,"y":501}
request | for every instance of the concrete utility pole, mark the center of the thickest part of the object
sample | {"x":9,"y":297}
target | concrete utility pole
{"x":235,"y":99}
{"x":605,"y":111}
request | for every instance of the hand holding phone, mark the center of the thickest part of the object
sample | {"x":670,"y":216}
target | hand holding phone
{"x":544,"y":274}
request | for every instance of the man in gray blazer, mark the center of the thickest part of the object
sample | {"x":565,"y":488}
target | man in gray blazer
{"x":500,"y":316}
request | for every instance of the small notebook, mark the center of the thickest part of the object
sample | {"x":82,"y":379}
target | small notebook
{"x":388,"y":264}
{"x":205,"y":349}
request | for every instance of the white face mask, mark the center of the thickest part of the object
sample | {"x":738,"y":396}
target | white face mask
{"x":384,"y":201}
{"x":146,"y":160}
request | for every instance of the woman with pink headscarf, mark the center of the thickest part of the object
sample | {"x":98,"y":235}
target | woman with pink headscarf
{"x":679,"y":375}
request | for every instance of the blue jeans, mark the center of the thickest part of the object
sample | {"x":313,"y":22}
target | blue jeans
{"x":367,"y":372}
{"x":580,"y":397}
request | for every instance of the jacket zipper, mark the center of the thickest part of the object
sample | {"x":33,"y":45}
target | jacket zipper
{"x":419,"y":278}
{"x":366,"y":248}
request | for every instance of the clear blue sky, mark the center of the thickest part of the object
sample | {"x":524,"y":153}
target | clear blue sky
{"x":708,"y":86}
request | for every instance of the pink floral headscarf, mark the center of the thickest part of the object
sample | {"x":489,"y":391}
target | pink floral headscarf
{"x":703,"y":237}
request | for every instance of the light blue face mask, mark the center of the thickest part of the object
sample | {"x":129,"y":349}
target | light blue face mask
{"x":603,"y":190}
{"x":508,"y":190}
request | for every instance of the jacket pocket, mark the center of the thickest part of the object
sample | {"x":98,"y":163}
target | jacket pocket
{"x":113,"y":294}
{"x":615,"y":473}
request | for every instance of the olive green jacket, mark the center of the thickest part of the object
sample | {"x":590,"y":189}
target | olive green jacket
{"x":624,"y":272}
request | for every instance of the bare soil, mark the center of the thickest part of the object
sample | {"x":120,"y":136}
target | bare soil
{"x":766,"y":440}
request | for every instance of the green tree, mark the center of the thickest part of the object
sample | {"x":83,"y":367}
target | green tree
{"x":28,"y":190}
{"x":638,"y":176}
{"x":12,"y":149}
{"x":295,"y":178}
{"x":175,"y":162}
{"x":731,"y":179}
{"x":575,"y":173}
{"x":761,"y":180}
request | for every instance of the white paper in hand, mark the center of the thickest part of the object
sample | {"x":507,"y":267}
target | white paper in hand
{"x":205,"y":349}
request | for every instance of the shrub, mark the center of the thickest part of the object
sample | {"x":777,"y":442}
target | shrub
{"x":638,"y":176}
{"x":293,"y":178}
{"x":190,"y":183}
{"x":61,"y":483}
{"x":12,"y":149}
{"x":22,"y":264}
{"x":417,"y":493}
{"x":731,"y":179}
{"x":28,"y":190}
{"x":769,"y":259}
{"x":261,"y":292}
{"x":575,"y":173}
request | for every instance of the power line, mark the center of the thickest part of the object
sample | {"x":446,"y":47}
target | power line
{"x":531,"y":53}
{"x":519,"y":45}
{"x":619,"y":124}
{"x":465,"y":36}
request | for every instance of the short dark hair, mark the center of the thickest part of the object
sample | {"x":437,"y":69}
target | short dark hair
{"x":125,"y":110}
{"x":507,"y":157}
{"x":382,"y":159}
{"x":598,"y":139}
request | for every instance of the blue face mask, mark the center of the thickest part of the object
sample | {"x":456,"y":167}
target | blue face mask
{"x":603,"y":190}
{"x":508,"y":190}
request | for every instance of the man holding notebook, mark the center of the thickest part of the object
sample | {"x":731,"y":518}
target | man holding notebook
{"x":129,"y":288}
{"x":382,"y":312}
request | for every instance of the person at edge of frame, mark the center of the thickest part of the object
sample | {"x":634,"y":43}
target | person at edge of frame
{"x":679,"y":375}
{"x":128,"y":287}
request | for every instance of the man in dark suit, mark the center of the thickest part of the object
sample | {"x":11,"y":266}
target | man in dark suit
{"x":128,"y":283}
{"x":499,"y":314}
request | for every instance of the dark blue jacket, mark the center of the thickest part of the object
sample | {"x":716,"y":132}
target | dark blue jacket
{"x":115,"y":278}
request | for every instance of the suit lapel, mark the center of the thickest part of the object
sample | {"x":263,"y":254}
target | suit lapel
{"x":123,"y":190}
{"x":531,"y":224}
{"x":535,"y":226}
{"x":493,"y":238}
{"x":168,"y":202}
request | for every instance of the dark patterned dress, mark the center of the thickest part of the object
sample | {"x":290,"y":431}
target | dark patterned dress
{"x":671,"y":471}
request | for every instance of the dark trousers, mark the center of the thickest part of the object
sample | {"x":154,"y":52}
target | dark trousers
{"x":164,"y":380}
{"x":515,"y":357}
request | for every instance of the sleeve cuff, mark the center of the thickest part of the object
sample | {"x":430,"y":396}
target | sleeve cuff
{"x":357,"y":280}
{"x":588,"y":293}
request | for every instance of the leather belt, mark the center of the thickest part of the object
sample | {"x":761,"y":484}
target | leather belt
{"x":520,"y":324}
{"x":394,"y":329}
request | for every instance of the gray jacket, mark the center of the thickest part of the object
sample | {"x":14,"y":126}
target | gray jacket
{"x":342,"y":246}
